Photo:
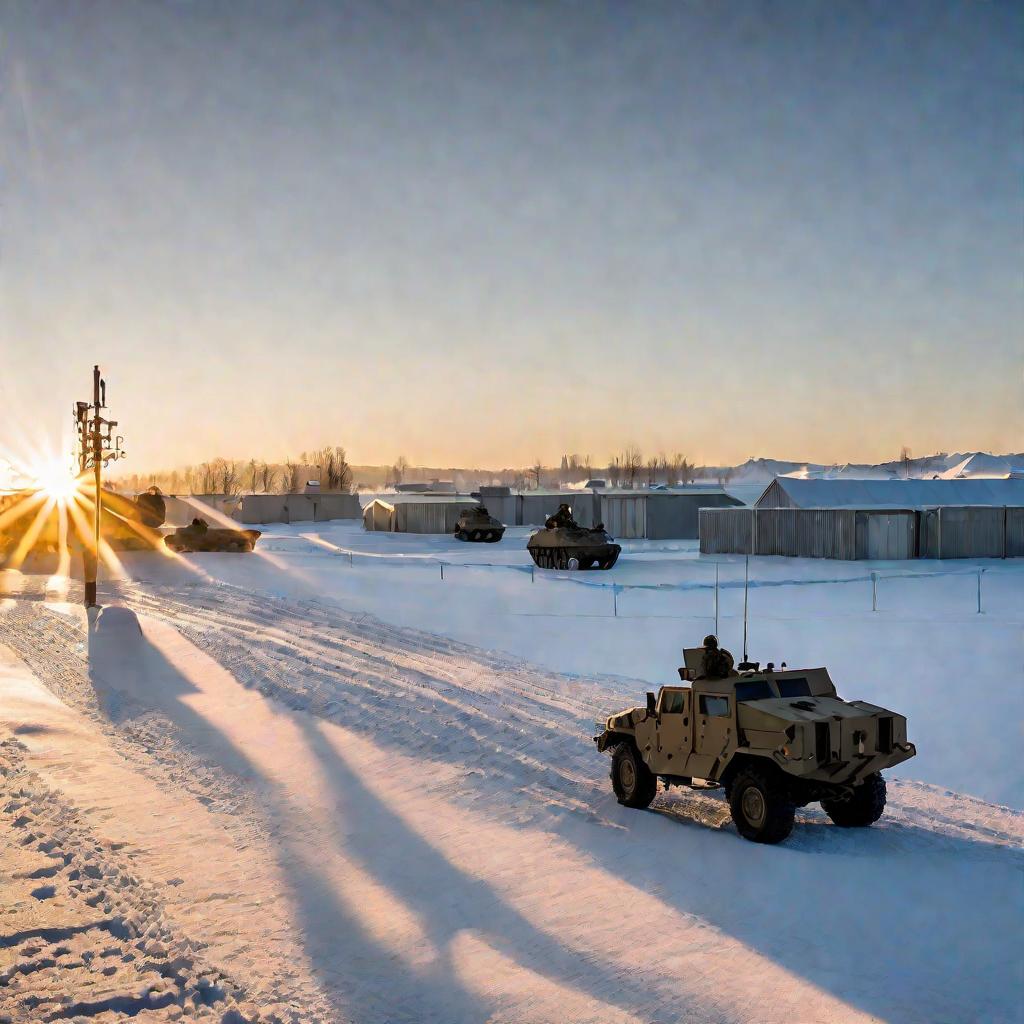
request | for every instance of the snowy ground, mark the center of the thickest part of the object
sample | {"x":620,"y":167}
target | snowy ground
{"x":327,"y":790}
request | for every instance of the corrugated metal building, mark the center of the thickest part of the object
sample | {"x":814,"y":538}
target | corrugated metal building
{"x":873,"y":519}
{"x":659,"y":515}
{"x":417,"y":513}
{"x":296,"y":508}
{"x":792,"y":492}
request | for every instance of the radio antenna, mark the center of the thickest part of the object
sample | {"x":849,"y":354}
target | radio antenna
{"x":746,"y":588}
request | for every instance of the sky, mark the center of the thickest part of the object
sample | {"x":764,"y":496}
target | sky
{"x":481,"y":233}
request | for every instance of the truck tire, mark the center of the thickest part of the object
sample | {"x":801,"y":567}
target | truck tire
{"x":863,"y":808}
{"x":761,"y":807}
{"x":634,"y":783}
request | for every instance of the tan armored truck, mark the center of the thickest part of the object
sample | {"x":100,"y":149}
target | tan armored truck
{"x":774,"y":741}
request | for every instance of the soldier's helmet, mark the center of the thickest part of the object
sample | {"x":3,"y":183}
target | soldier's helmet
{"x":711,"y":641}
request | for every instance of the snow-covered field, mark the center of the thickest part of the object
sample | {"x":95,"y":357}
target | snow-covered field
{"x":324,"y":783}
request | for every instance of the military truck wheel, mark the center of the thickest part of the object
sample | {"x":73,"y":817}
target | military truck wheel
{"x":633,"y":782}
{"x":572,"y":563}
{"x":863,"y":808}
{"x":760,"y":807}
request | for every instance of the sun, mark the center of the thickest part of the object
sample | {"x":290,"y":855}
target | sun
{"x":55,"y":480}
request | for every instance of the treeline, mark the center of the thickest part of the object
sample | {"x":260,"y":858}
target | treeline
{"x":327,"y":465}
{"x":628,"y":468}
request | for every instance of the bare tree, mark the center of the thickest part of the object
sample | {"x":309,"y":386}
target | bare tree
{"x":226,"y":476}
{"x":203,"y":479}
{"x":292,"y":475}
{"x":906,"y":461}
{"x":335,"y":472}
{"x":614,"y":470}
{"x":253,"y":471}
{"x":536,"y":470}
{"x":268,"y":477}
{"x":398,"y":470}
{"x":632,"y":463}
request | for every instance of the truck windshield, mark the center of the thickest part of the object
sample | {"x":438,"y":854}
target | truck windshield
{"x":753,"y":689}
{"x":798,"y":687}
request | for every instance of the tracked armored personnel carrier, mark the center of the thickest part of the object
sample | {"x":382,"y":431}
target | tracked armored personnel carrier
{"x":564,"y":544}
{"x":773,"y":740}
{"x":201,"y":537}
{"x":477,"y":524}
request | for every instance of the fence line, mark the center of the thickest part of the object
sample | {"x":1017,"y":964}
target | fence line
{"x":564,"y":576}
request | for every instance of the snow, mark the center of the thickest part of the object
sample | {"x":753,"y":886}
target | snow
{"x":349,"y":790}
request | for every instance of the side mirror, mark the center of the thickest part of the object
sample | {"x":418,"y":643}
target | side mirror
{"x":650,"y":703}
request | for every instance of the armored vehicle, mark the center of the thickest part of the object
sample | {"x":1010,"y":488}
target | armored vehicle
{"x":773,"y":740}
{"x":477,"y":524}
{"x":32,"y":525}
{"x":564,"y":544}
{"x":199,"y":537}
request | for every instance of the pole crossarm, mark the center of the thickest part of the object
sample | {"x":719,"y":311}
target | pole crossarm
{"x":97,"y":446}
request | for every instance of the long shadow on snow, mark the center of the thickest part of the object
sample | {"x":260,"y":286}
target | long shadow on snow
{"x":881,"y":915}
{"x":326,"y":925}
{"x":375,"y":984}
{"x":864,"y":897}
{"x":449,"y":901}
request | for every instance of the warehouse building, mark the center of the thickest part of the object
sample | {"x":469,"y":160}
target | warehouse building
{"x":416,"y":513}
{"x":659,"y":515}
{"x":873,"y":519}
{"x":628,"y":515}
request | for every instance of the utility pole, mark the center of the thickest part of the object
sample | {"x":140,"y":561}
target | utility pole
{"x":96,"y":447}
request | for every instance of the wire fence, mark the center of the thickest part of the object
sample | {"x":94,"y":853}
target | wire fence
{"x":876,"y":583}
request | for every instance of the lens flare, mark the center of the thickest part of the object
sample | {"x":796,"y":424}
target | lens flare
{"x":55,"y":480}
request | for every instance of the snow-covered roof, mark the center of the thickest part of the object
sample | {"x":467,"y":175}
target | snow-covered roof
{"x":981,"y":464}
{"x":848,"y":493}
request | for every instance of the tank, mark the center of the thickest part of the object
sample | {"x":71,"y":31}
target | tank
{"x":774,"y":741}
{"x":477,"y":524}
{"x":201,"y":537}
{"x":564,"y":544}
{"x":126,"y":524}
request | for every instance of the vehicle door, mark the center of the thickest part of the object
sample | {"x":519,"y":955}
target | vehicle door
{"x":674,"y":730}
{"x":713,"y":732}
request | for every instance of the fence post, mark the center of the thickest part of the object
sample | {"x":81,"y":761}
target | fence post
{"x":442,"y":569}
{"x":350,"y":562}
{"x":874,"y":591}
{"x":980,"y":571}
{"x":615,"y":600}
{"x":532,"y":567}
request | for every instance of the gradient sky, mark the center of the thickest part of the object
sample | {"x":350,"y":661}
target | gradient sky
{"x":474,"y":233}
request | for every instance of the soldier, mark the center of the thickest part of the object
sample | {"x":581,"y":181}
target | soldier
{"x":717,"y":662}
{"x":562,"y":518}
{"x":152,"y":508}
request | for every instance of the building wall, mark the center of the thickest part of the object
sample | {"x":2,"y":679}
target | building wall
{"x":430,"y":516}
{"x":296,"y":508}
{"x":624,"y":515}
{"x":972,"y":533}
{"x":504,"y":508}
{"x":886,"y":535}
{"x":676,"y":516}
{"x":876,"y":534}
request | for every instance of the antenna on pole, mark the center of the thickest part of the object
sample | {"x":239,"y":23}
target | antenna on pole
{"x":746,"y":591}
{"x":96,"y":448}
{"x":746,"y":665}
